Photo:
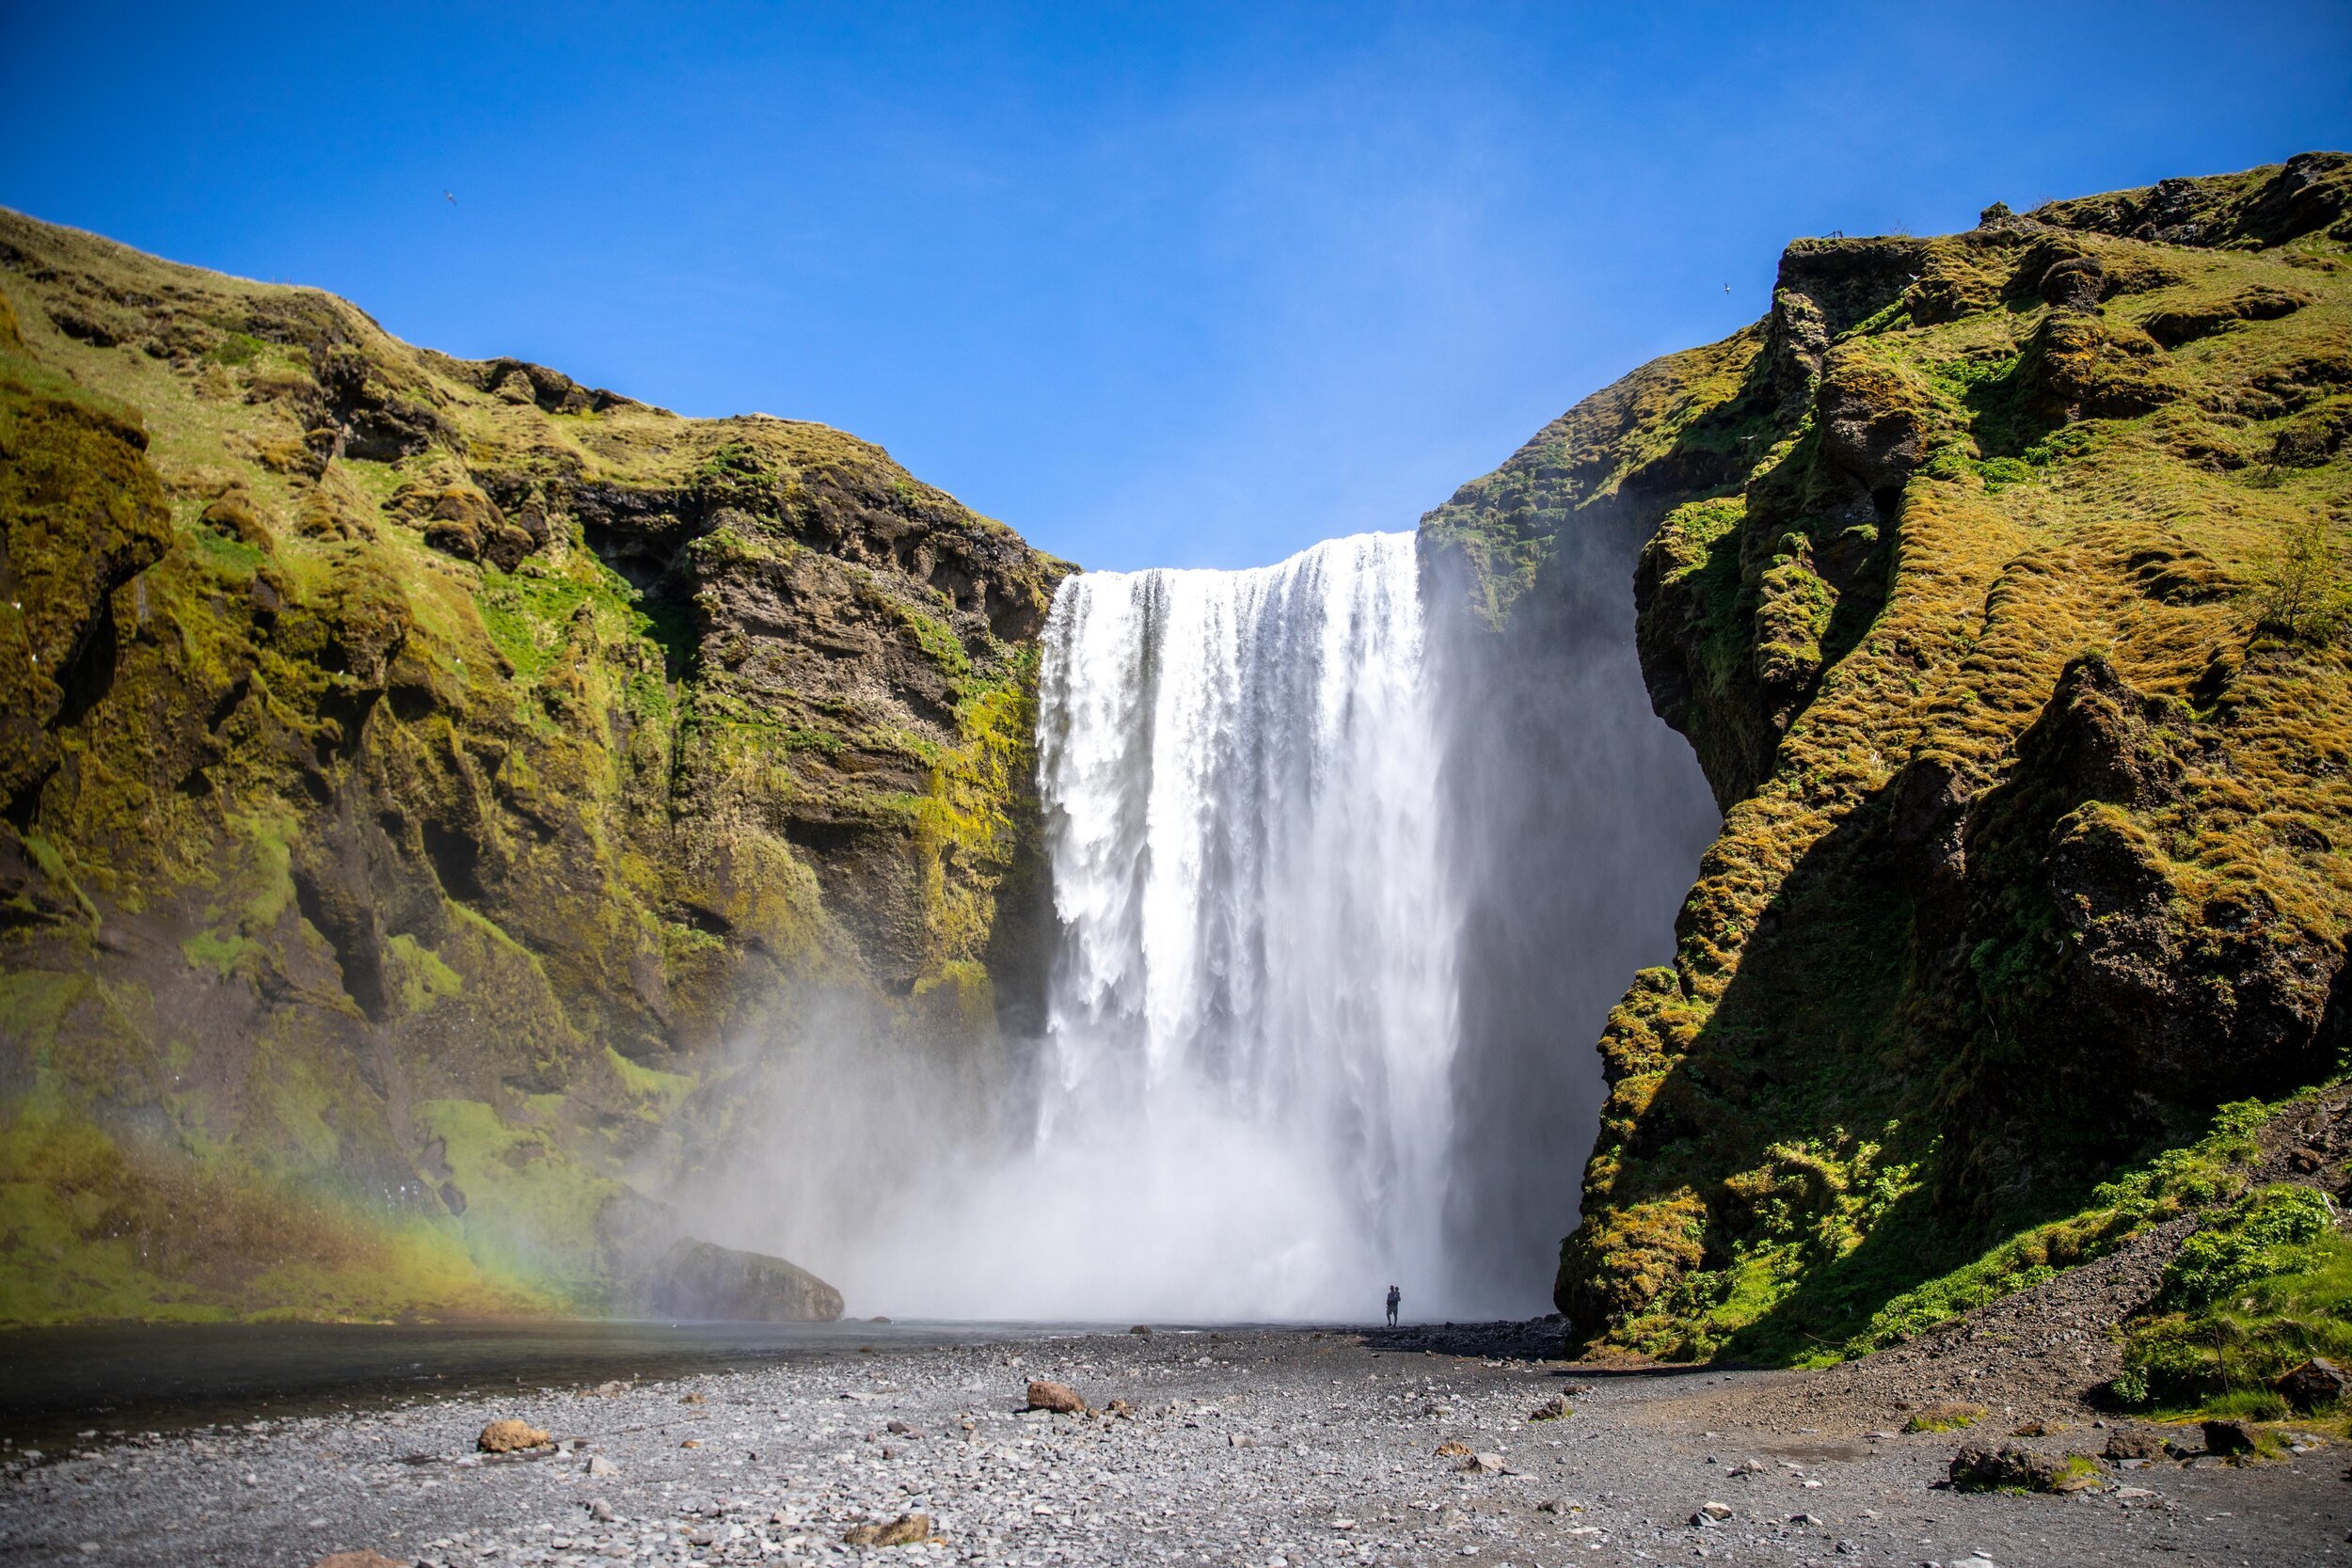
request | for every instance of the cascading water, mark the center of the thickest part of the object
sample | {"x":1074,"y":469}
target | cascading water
{"x":1251,"y":1020}
{"x":1331,"y":957}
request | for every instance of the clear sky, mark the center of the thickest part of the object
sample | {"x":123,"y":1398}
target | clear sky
{"x":1188,"y":284}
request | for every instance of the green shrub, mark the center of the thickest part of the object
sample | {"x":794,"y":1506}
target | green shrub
{"x":2299,"y":591}
{"x":2267,"y":1232}
{"x":2266,"y":1285}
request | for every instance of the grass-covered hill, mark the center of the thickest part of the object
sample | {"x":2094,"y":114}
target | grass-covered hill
{"x":416,"y":774}
{"x":1998,"y":580}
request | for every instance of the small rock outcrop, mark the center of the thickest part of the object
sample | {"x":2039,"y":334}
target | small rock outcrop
{"x":2316,"y":1384}
{"x":2011,"y":1468}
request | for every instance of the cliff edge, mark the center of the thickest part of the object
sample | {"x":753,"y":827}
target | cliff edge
{"x":422,"y":782}
{"x":1997,"y":580}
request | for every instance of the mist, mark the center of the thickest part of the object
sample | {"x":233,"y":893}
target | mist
{"x":1344,"y":890}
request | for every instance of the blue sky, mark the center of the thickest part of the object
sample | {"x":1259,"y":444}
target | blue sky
{"x":1186,"y":285}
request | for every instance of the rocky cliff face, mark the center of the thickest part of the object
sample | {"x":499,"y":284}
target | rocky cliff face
{"x":419,"y":772}
{"x":1997,"y":581}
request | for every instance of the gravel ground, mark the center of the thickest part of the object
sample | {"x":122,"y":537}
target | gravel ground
{"x":1280,"y":1448}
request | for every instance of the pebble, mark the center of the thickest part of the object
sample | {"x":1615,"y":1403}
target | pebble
{"x":1319,"y":1451}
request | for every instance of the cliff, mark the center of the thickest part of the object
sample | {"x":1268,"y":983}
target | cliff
{"x":1997,"y":583}
{"x":425,"y":779}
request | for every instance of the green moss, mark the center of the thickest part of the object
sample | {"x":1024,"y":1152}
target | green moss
{"x":99,"y":1233}
{"x":424,"y":977}
{"x":1946,"y":1418}
{"x":1903,"y":688}
{"x":531,"y":1205}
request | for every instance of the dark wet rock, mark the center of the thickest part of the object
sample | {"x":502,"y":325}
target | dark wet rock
{"x":708,"y":1283}
{"x":2011,"y":1468}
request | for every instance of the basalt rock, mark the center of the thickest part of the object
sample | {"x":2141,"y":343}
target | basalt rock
{"x":1950,"y":572}
{"x":413,"y":769}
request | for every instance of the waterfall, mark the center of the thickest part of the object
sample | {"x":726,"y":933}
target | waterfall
{"x":1251,"y":1019}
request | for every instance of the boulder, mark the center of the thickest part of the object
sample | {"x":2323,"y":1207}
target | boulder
{"x":2315,"y":1384}
{"x":704,"y":1281}
{"x":1979,"y":1467}
{"x":2135,"y":1442}
{"x":1057,"y":1397}
{"x":2230,"y":1438}
{"x":907,"y":1530}
{"x":510,"y":1436}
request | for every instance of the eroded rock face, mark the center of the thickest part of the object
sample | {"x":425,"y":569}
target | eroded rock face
{"x":2021,"y":872}
{"x":422,"y":773}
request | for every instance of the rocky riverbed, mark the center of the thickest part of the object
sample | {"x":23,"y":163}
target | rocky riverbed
{"x":1270,"y":1448}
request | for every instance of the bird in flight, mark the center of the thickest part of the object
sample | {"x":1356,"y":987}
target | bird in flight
{"x":450,"y":198}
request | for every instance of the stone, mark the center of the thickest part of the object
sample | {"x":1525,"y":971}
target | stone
{"x":907,"y":1530}
{"x":2228,"y":1438}
{"x":1553,"y":1409}
{"x":510,"y":1436}
{"x":902,"y":1429}
{"x":1484,"y":1464}
{"x":1057,"y":1397}
{"x":1141,"y":1331}
{"x":2134,"y":1442}
{"x":2315,"y":1384}
{"x":363,"y":1558}
{"x":1711,"y":1513}
{"x":600,"y":1511}
{"x":600,"y":1467}
{"x":1979,"y":1467}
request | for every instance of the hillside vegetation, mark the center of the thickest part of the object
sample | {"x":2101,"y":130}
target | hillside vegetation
{"x":1998,"y":581}
{"x":418,"y":776}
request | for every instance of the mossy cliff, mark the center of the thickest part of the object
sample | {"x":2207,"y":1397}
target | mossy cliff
{"x":1997,"y":581}
{"x":420,"y":775}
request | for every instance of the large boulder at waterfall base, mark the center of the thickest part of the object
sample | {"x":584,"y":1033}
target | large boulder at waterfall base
{"x":707,"y":1283}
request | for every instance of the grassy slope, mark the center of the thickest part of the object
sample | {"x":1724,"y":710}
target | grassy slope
{"x":417,"y":769}
{"x":2033,"y":846}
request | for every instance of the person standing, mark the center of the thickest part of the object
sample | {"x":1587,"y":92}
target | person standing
{"x":1395,"y":1296}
